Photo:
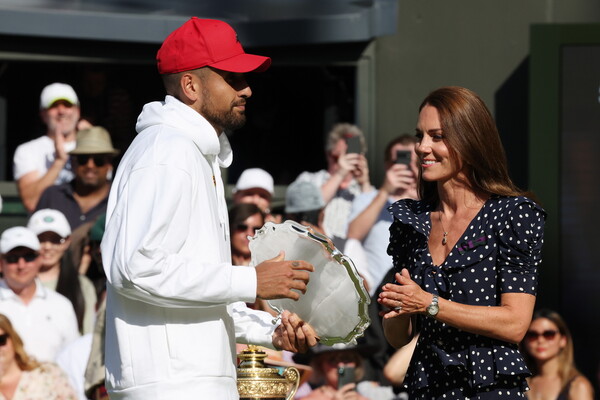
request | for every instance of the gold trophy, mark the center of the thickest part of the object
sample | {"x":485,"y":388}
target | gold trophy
{"x":257,"y":381}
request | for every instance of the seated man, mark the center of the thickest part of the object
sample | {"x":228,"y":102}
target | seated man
{"x":85,"y":197}
{"x":43,"y":162}
{"x":44,"y":319}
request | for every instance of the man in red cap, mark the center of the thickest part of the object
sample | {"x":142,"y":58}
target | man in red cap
{"x":175,"y":303}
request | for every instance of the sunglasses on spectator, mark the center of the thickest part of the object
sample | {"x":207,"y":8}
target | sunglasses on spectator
{"x":547,"y":334}
{"x":14,"y":258}
{"x":51,"y":237}
{"x":244,"y":227}
{"x":100,"y":160}
{"x":3,"y":339}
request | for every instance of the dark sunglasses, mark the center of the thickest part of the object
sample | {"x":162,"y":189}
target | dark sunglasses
{"x":3,"y":339}
{"x":52,"y":238}
{"x":548,"y":335}
{"x":244,"y":227}
{"x":14,"y":258}
{"x":99,"y":160}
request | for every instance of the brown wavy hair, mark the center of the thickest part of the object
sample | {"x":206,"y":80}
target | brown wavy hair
{"x":567,"y":369}
{"x":473,"y":142}
{"x":24,"y":361}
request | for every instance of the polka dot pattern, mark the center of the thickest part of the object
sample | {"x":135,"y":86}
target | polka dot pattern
{"x":499,"y":252}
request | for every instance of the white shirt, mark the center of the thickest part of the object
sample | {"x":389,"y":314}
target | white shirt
{"x":376,"y":242}
{"x":175,"y":304}
{"x":39,"y":155}
{"x":73,"y":361}
{"x":46,"y":325}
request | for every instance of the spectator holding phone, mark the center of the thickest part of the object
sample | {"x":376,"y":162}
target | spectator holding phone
{"x":346,"y":177}
{"x":369,"y":219}
{"x":336,"y":371}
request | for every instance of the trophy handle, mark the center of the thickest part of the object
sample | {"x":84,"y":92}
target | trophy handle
{"x":292,"y":375}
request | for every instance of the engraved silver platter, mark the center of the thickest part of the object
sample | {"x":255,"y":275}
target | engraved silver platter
{"x":335,"y":303}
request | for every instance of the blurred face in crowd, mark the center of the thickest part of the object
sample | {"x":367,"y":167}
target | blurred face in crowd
{"x":543,"y":340}
{"x":91,"y":170}
{"x":239,"y":238}
{"x":20,"y":266}
{"x":258,"y":196}
{"x":331,"y":361}
{"x":336,"y":152}
{"x":61,"y":115}
{"x":52,"y":249}
{"x":7,"y":351}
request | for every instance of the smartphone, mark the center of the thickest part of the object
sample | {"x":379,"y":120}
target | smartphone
{"x":403,"y":157}
{"x":345,"y":376}
{"x":353,"y":143}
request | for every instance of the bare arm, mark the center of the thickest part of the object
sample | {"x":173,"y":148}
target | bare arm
{"x":32,"y":185}
{"x":581,"y":389}
{"x":397,"y":177}
{"x":360,"y":226}
{"x":346,"y":163}
{"x":508,"y":321}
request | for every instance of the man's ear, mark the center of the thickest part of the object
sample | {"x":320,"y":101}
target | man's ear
{"x":190,"y":87}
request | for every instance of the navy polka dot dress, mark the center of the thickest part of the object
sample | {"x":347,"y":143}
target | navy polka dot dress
{"x":499,"y":252}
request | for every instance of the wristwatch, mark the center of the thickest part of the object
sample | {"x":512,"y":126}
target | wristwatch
{"x":433,"y":308}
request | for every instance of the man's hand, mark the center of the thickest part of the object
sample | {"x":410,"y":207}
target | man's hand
{"x":293,"y":334}
{"x":361,"y":172}
{"x":59,"y":145}
{"x":399,"y":177}
{"x":276,"y":278}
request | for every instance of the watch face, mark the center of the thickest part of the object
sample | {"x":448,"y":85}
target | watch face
{"x":433,"y":310}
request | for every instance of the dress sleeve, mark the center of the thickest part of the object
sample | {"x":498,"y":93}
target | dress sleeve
{"x":520,"y":249}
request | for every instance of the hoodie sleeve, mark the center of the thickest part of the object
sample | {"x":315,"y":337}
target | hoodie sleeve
{"x":166,"y":243}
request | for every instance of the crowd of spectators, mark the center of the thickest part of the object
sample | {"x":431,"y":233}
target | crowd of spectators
{"x":52,"y":287}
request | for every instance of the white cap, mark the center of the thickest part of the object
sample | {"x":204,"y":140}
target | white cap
{"x":255,"y":178}
{"x":57,"y":91}
{"x":18,"y":236}
{"x":48,"y":220}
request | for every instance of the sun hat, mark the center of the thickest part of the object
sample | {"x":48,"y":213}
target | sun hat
{"x":253,"y":178}
{"x":18,"y":236}
{"x":49,"y":220}
{"x":94,"y":140}
{"x":302,"y":196}
{"x":206,"y":42}
{"x":55,"y":92}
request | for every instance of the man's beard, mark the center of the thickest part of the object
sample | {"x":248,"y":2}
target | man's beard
{"x":226,"y":120}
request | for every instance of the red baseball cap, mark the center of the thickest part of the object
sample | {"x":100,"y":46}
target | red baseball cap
{"x":206,"y":42}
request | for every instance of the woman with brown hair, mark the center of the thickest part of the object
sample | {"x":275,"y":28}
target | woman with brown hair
{"x":548,"y":352}
{"x":22,"y":377}
{"x":466,"y":257}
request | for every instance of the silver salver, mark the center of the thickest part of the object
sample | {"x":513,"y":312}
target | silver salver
{"x":335,"y":303}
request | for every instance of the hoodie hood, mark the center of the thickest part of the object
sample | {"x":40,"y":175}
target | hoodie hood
{"x":184,"y":119}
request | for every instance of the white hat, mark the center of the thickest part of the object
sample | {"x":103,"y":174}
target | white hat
{"x":57,"y":91}
{"x":18,"y":236}
{"x":255,"y":178}
{"x":48,"y":220}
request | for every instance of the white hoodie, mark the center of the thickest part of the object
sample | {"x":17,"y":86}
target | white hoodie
{"x":172,"y":318}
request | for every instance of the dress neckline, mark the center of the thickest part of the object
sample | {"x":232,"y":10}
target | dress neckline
{"x":463,"y":234}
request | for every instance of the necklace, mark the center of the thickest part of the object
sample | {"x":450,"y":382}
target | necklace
{"x":445,"y":237}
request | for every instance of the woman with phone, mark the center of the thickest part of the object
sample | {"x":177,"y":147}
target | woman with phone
{"x":548,"y":351}
{"x":466,"y":257}
{"x":336,"y":373}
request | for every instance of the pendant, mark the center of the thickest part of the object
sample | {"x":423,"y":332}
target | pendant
{"x":444,"y":239}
